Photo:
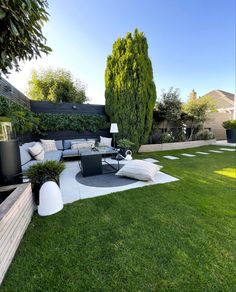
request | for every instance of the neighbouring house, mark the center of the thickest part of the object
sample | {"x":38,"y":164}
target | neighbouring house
{"x":224,"y":111}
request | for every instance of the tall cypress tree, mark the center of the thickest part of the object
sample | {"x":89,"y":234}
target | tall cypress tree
{"x":130,"y":90}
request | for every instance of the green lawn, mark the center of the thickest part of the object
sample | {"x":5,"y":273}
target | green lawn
{"x":179,"y":236}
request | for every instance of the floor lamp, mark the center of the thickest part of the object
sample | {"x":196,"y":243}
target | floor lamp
{"x":114,"y":130}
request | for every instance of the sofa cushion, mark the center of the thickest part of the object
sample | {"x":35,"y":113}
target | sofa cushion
{"x":59,"y":144}
{"x":80,"y":145}
{"x":37,"y":151}
{"x":24,"y":155}
{"x":28,"y":164}
{"x":53,"y":155}
{"x":70,"y":152}
{"x":105,"y":141}
{"x":49,"y":145}
{"x":139,"y":169}
{"x":67,"y":143}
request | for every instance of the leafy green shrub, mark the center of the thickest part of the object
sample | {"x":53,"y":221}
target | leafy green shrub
{"x":60,"y":122}
{"x":167,"y":137}
{"x":204,"y":135}
{"x":125,"y":143}
{"x":45,"y":171}
{"x":23,"y":120}
{"x":230,"y":124}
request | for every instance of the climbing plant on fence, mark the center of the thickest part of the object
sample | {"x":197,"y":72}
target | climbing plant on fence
{"x":25,"y":121}
{"x":81,"y":123}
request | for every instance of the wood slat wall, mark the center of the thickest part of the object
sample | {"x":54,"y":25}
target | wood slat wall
{"x":67,"y":108}
{"x":15,"y":215}
{"x":10,"y":92}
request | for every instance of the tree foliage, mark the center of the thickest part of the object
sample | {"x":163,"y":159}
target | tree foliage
{"x":56,"y":86}
{"x":170,"y":106}
{"x":197,"y":109}
{"x":130,"y":91}
{"x":21,"y":35}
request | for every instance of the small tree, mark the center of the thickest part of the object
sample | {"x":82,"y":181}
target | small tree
{"x":56,"y":86}
{"x":21,"y":35}
{"x":197,"y":110}
{"x":130,"y":90}
{"x":170,"y":106}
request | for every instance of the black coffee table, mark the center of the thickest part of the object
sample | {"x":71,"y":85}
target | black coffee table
{"x":91,"y":160}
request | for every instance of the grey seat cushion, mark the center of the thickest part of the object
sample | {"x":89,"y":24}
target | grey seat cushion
{"x":28,"y":164}
{"x":53,"y":155}
{"x":70,"y":152}
{"x":59,"y":144}
{"x":67,"y":143}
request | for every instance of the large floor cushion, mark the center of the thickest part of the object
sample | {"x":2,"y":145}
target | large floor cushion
{"x":139,"y":169}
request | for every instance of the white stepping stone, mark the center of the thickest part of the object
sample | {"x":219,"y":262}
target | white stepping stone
{"x":151,"y":160}
{"x":188,"y":155}
{"x":216,"y":151}
{"x":171,"y":157}
{"x":203,"y":153}
{"x":227,"y":149}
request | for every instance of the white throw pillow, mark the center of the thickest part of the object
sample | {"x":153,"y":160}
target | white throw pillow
{"x":139,"y":169}
{"x":105,"y":141}
{"x":37,"y":151}
{"x":49,"y":145}
{"x":80,"y":145}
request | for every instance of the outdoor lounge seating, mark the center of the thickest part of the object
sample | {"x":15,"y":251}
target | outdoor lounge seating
{"x":63,"y":151}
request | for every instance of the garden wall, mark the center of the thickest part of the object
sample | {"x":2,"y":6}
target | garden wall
{"x":10,"y":92}
{"x":15,"y":215}
{"x":175,"y":146}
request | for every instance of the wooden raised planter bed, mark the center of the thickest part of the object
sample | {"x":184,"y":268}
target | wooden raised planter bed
{"x":15,"y":215}
{"x":175,"y":146}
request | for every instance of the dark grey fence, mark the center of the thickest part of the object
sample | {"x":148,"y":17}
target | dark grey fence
{"x":67,"y":108}
{"x":10,"y":92}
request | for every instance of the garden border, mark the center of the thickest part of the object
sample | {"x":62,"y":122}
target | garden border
{"x":175,"y":146}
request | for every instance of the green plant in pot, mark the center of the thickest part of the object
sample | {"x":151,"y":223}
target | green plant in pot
{"x":39,"y":173}
{"x":230,"y":127}
{"x":124,"y":145}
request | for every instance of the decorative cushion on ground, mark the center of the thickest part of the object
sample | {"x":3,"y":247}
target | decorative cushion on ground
{"x":59,"y":144}
{"x":49,"y":145}
{"x":79,"y":145}
{"x":105,"y":141}
{"x":139,"y":169}
{"x":37,"y":151}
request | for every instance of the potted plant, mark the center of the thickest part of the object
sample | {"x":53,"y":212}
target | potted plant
{"x":124,"y":145}
{"x":39,"y":173}
{"x":230,"y":127}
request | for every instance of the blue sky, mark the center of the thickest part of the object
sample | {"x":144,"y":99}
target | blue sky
{"x":191,"y":42}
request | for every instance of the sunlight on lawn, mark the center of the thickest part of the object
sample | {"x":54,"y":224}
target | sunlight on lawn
{"x":230,"y":172}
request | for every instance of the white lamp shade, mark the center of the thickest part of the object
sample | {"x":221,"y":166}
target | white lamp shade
{"x":50,"y":199}
{"x":114,"y":128}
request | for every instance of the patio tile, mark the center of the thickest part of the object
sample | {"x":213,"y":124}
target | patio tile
{"x":188,"y":155}
{"x":216,"y":151}
{"x":72,"y":190}
{"x":203,"y":153}
{"x":171,"y":157}
{"x":227,"y":149}
{"x":151,"y":160}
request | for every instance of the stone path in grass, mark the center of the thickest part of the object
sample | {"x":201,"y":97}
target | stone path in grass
{"x":170,"y":157}
{"x":227,"y":149}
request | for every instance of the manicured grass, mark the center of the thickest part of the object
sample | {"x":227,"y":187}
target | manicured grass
{"x":179,"y":236}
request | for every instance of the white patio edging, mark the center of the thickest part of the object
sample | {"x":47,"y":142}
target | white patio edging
{"x":175,"y":146}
